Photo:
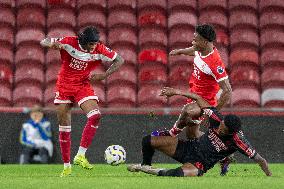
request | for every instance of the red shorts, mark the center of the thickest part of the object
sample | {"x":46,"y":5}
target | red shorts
{"x":64,"y":95}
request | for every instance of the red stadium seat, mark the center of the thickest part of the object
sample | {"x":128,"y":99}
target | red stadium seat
{"x":179,"y":74}
{"x":27,"y":95}
{"x":125,"y":74}
{"x":52,"y":73}
{"x":245,"y":76}
{"x":5,"y":96}
{"x":243,"y":18}
{"x":152,"y":18}
{"x":215,"y":17}
{"x":61,"y":18}
{"x":180,"y":37}
{"x":6,"y":76}
{"x":49,"y":95}
{"x":121,"y":4}
{"x":222,"y":37}
{"x":7,"y":4}
{"x":271,"y":5}
{"x":152,"y":74}
{"x":176,"y":60}
{"x":219,"y":4}
{"x":239,"y":4}
{"x":60,"y":32}
{"x":153,"y":55}
{"x":189,"y":5}
{"x":121,"y":96}
{"x":243,"y":57}
{"x":182,"y":19}
{"x":272,"y":57}
{"x":272,"y":77}
{"x":152,"y":5}
{"x":148,"y":97}
{"x":223,"y":51}
{"x":29,"y":36}
{"x":66,"y":4}
{"x":179,"y":101}
{"x":245,"y":98}
{"x":7,"y":17}
{"x":270,"y":19}
{"x":33,"y":75}
{"x":273,"y":98}
{"x":6,"y":57}
{"x":93,"y":4}
{"x":6,"y":37}
{"x":153,"y":38}
{"x":244,"y":38}
{"x":122,"y":18}
{"x":123,"y":37}
{"x":52,"y":57}
{"x":272,"y":38}
{"x":129,"y":54}
{"x":29,"y":55}
{"x":89,"y":16}
{"x":31,"y":17}
{"x":31,"y":4}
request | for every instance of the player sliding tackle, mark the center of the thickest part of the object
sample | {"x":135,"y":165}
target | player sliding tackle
{"x":223,"y":137}
{"x":79,"y":56}
{"x":208,"y":77}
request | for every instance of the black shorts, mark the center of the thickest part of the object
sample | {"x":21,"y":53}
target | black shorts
{"x":187,"y":152}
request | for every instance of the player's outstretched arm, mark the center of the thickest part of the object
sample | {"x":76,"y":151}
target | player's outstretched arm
{"x":263,"y":164}
{"x":117,"y":62}
{"x":168,"y":92}
{"x":51,"y":43}
{"x":226,"y":93}
{"x":187,"y":51}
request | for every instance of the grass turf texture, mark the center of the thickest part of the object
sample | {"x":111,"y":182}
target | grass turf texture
{"x":247,"y":176}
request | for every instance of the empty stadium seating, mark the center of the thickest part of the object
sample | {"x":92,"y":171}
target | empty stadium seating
{"x":250,"y":40}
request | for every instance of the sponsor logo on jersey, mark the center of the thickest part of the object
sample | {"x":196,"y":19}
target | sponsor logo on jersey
{"x":78,"y":64}
{"x":220,"y":70}
{"x":216,"y":141}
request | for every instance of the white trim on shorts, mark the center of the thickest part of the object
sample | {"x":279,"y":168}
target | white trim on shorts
{"x":57,"y":101}
{"x":88,"y":98}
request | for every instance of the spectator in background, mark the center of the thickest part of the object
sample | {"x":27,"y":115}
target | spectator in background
{"x":36,"y":138}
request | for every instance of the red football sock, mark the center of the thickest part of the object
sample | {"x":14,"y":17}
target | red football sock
{"x":65,"y":142}
{"x":175,"y":131}
{"x":90,"y":128}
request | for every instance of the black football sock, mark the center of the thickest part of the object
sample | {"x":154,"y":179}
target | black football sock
{"x":147,"y":150}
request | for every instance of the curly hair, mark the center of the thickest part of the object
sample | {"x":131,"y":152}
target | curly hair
{"x":87,"y":35}
{"x":233,"y":123}
{"x":206,"y":31}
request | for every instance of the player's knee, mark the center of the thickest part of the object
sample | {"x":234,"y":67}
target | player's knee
{"x":178,"y":172}
{"x":94,"y":116}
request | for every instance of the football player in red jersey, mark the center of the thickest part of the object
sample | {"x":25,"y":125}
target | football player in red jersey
{"x":209,"y":75}
{"x":79,"y":56}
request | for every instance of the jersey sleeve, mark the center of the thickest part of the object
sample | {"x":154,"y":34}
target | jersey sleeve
{"x":105,"y":53}
{"x":218,"y":71}
{"x":215,"y":117}
{"x":243,"y":145}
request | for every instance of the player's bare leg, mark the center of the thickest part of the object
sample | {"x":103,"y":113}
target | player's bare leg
{"x":91,"y":109}
{"x":165,"y":144}
{"x":186,"y":119}
{"x":64,"y":120}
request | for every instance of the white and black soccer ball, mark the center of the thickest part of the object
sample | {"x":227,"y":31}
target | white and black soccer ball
{"x":115,"y":155}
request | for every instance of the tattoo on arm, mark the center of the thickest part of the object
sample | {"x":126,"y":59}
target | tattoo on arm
{"x":117,"y":62}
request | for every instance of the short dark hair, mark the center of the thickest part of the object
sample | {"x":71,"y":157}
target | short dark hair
{"x":206,"y":31}
{"x":233,"y":123}
{"x":87,"y":35}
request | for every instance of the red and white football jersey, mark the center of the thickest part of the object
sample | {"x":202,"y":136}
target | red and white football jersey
{"x":208,"y":71}
{"x":77,"y":63}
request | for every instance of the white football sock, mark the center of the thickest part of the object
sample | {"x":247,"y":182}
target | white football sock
{"x":67,"y":165}
{"x":81,"y":151}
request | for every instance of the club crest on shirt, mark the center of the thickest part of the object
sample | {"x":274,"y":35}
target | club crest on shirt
{"x":108,"y":49}
{"x":220,"y":70}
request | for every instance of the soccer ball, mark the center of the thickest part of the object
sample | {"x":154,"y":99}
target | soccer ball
{"x":115,"y":155}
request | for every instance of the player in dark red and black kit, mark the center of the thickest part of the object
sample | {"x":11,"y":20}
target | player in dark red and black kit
{"x":79,"y":56}
{"x":223,"y":137}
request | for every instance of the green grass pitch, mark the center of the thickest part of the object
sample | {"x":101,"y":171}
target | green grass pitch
{"x":241,"y":176}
